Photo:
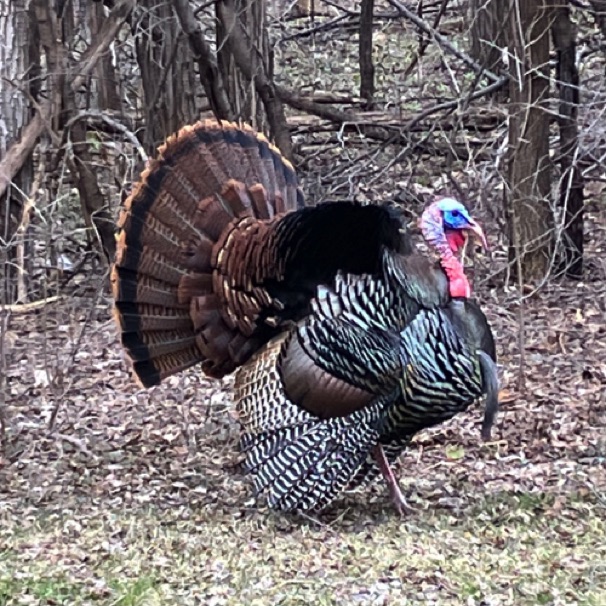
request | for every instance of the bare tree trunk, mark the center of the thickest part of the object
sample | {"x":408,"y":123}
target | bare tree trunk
{"x":104,"y":85}
{"x":531,"y":225}
{"x":249,"y":50}
{"x":571,"y":179}
{"x":171,"y":89}
{"x":599,"y":8}
{"x":241,"y":88}
{"x":208,"y":68}
{"x":367,"y":68}
{"x":19,"y":65}
{"x":488,"y":25}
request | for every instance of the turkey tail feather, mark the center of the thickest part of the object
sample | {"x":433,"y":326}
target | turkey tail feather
{"x":206,"y":176}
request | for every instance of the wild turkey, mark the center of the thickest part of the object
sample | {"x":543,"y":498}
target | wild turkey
{"x":347,"y":343}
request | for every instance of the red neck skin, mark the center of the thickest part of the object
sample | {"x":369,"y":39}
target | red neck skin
{"x":432,"y":228}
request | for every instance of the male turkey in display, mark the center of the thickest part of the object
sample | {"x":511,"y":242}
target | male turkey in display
{"x":346,"y":342}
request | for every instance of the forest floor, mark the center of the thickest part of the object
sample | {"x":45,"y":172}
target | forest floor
{"x":134,"y":497}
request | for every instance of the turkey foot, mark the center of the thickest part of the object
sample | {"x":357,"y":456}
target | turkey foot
{"x":397,"y":498}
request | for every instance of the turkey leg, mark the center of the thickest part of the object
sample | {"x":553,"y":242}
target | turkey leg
{"x":397,"y":497}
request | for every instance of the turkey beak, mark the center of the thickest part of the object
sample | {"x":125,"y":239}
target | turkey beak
{"x":478,"y":232}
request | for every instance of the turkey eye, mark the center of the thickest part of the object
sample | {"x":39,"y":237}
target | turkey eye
{"x":455,"y":213}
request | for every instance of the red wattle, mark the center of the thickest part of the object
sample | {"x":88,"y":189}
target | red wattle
{"x":460,"y":287}
{"x":455,"y":239}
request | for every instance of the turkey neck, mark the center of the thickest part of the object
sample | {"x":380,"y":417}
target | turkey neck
{"x":432,"y":228}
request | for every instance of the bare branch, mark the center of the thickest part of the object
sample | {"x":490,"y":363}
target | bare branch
{"x":19,"y":151}
{"x":443,"y":41}
{"x":111,"y":122}
{"x":103,"y":39}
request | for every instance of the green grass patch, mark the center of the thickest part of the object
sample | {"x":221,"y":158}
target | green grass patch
{"x":512,"y":548}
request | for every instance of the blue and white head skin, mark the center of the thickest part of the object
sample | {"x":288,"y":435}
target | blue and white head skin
{"x":446,"y":225}
{"x":451,"y":217}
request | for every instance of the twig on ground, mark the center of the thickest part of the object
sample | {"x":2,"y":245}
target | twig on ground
{"x":22,"y":308}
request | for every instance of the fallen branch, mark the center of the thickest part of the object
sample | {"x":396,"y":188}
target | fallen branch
{"x":22,"y":308}
{"x":450,"y":105}
{"x":322,"y":27}
{"x":386,"y":132}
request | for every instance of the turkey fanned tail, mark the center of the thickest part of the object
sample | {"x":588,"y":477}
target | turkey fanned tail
{"x":217,"y":251}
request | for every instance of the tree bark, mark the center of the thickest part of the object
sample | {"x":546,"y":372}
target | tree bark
{"x":19,"y":65}
{"x":571,"y":178}
{"x":171,"y":89}
{"x":367,"y":68}
{"x":531,"y":224}
{"x":487,"y":32}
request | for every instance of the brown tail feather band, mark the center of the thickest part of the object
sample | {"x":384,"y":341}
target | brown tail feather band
{"x":171,"y":306}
